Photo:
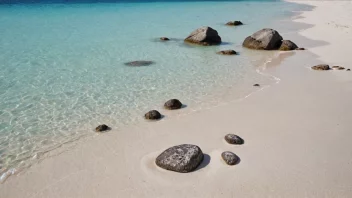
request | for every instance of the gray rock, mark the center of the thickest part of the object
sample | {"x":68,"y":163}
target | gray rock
{"x":265,"y":39}
{"x":230,"y":158}
{"x":227,"y":52}
{"x":337,"y":67}
{"x":173,"y":104}
{"x":204,"y":36}
{"x":101,"y":128}
{"x":139,"y":63}
{"x":301,"y":48}
{"x":153,"y":115}
{"x":164,"y":39}
{"x":321,"y":67}
{"x":233,"y":139}
{"x":182,"y":158}
{"x":234,"y":23}
{"x":288,"y":45}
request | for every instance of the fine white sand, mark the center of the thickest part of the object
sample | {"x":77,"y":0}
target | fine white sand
{"x":297,"y":136}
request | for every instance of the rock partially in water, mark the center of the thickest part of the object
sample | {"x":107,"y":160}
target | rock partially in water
{"x":233,"y":139}
{"x":256,"y":85}
{"x":139,"y":63}
{"x":288,"y":45}
{"x":173,"y":104}
{"x":101,"y":128}
{"x":265,"y":39}
{"x":204,"y":36}
{"x":230,"y":158}
{"x":153,"y":115}
{"x":321,"y":67}
{"x":164,"y":39}
{"x":227,"y":52}
{"x":182,"y":158}
{"x":234,"y":23}
{"x":337,"y":67}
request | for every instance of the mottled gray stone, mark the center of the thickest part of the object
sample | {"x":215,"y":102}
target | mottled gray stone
{"x":204,"y":36}
{"x":173,"y":104}
{"x":153,"y":115}
{"x":265,"y":39}
{"x":288,"y":45}
{"x":321,"y":67}
{"x":233,"y":139}
{"x":182,"y":158}
{"x":230,"y":158}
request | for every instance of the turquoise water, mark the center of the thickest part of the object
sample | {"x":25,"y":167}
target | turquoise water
{"x":62,"y":71}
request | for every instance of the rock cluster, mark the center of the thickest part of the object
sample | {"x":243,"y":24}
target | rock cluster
{"x":268,"y":39}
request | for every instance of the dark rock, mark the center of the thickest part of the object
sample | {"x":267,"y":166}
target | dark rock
{"x":153,"y":115}
{"x":321,"y":67}
{"x":101,"y":128}
{"x":164,"y":39}
{"x":173,"y":104}
{"x":256,"y":85}
{"x":301,"y":48}
{"x":182,"y":158}
{"x":287,"y":45}
{"x":139,"y":63}
{"x":230,"y":158}
{"x":234,"y":23}
{"x":227,"y":52}
{"x":348,"y":70}
{"x":338,"y":67}
{"x":204,"y":36}
{"x":265,"y":39}
{"x":233,"y":139}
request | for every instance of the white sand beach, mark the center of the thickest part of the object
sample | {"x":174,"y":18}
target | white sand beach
{"x":297,"y":135}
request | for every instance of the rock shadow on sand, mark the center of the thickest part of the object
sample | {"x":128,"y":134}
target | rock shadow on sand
{"x":205,"y":162}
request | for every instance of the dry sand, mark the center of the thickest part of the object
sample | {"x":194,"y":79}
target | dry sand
{"x":297,"y":136}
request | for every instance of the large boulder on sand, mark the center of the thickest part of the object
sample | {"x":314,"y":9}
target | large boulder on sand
{"x":182,"y":158}
{"x":288,"y":45}
{"x":265,"y":39}
{"x":204,"y":36}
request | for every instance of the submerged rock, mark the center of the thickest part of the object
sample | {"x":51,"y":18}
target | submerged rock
{"x":139,"y":63}
{"x":173,"y":104}
{"x":234,"y":23}
{"x":101,"y":128}
{"x":227,"y":52}
{"x":230,"y":158}
{"x":321,"y":67}
{"x":338,"y":67}
{"x":233,"y":139}
{"x":164,"y":39}
{"x":288,"y":45}
{"x":265,"y":39}
{"x":182,"y":158}
{"x":153,"y":115}
{"x":204,"y":36}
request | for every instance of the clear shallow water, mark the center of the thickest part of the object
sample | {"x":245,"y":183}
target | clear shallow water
{"x":62,"y":71}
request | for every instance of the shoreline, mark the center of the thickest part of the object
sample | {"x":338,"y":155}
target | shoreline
{"x":288,"y":151}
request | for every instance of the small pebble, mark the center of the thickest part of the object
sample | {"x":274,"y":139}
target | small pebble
{"x":101,"y":128}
